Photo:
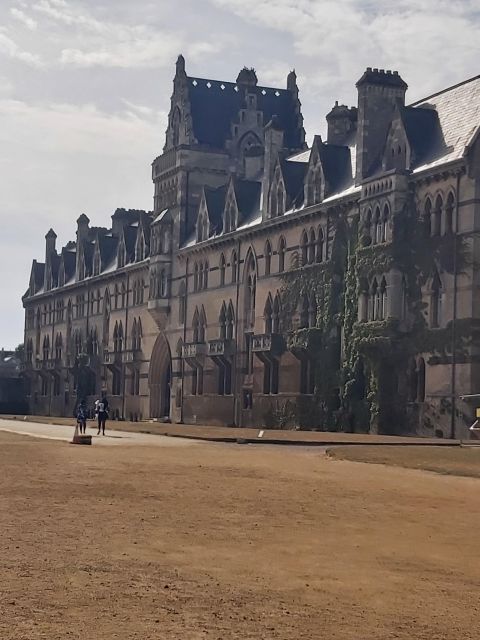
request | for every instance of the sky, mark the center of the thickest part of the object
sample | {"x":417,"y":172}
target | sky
{"x":85,"y":90}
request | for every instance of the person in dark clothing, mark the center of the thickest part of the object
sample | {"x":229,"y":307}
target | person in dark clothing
{"x":102,"y":415}
{"x":82,"y":417}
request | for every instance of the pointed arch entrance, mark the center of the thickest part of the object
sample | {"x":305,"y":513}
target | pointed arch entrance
{"x":159,"y":378}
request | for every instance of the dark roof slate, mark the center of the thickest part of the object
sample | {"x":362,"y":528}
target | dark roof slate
{"x":294,"y":177}
{"x":214,"y":109}
{"x":247,"y":195}
{"x":215,"y":200}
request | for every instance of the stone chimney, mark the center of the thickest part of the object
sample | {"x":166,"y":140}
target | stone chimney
{"x":292,"y":82}
{"x":82,"y":235}
{"x":50,"y":241}
{"x":378,"y":93}
{"x":247,"y":77}
{"x":273,"y":146}
{"x":341,"y":122}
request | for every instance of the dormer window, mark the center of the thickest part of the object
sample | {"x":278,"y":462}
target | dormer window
{"x":277,"y":196}
{"x":202,"y":227}
{"x":230,"y":215}
{"x":140,"y":247}
{"x":96,"y":262}
{"x":313,"y":190}
{"x":121,"y":257}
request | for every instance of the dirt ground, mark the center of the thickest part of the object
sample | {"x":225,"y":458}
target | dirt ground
{"x":459,"y":461}
{"x":229,"y":541}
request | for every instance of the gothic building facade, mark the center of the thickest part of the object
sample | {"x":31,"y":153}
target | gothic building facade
{"x":276,"y":284}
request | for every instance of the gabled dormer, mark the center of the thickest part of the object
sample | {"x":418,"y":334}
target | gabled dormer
{"x":37,"y":275}
{"x":413,"y":134}
{"x":287,"y":187}
{"x":97,"y":258}
{"x":121,"y":250}
{"x":315,"y":178}
{"x":141,"y":247}
{"x":230,"y":212}
{"x":277,"y":202}
{"x":203,"y":223}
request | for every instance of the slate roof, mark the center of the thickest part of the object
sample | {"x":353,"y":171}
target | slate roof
{"x":215,"y":200}
{"x":214,"y":109}
{"x":294,"y":177}
{"x":458,"y":110}
{"x":247,"y":194}
{"x":337,"y":166}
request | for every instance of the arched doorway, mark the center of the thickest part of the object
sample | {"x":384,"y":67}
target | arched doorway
{"x":159,"y":379}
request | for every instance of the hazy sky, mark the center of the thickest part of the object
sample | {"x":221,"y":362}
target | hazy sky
{"x":85,"y":87}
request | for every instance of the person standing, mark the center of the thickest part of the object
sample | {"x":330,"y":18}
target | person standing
{"x":82,"y":417}
{"x":102,"y":415}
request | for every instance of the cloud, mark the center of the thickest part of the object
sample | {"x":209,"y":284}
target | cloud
{"x":28,"y":22}
{"x":57,"y":161}
{"x":426,"y":41}
{"x":11,"y":49}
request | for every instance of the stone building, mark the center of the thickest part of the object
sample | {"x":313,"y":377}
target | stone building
{"x":331,"y":287}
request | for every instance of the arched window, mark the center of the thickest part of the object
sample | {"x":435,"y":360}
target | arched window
{"x":251,"y":291}
{"x":176,"y":120}
{"x":163,"y":284}
{"x":46,"y":348}
{"x":437,"y":216}
{"x":280,"y":199}
{"x":230,"y":321}
{"x":181,"y":303}
{"x":78,"y":343}
{"x":304,"y":248}
{"x":312,"y":311}
{"x":205,"y":275}
{"x":222,"y":322}
{"x":268,"y":258}
{"x":195,"y":327}
{"x":267,"y":314}
{"x":29,"y":351}
{"x":374,"y":301}
{"x":320,"y":246}
{"x":378,"y":226}
{"x":427,"y":217}
{"x":58,"y":347}
{"x":276,"y":314}
{"x":421,"y":380}
{"x":304,"y":311}
{"x":281,"y":254}
{"x":202,"y":325}
{"x":368,"y":224}
{"x":311,"y":247}
{"x":195,"y":277}
{"x":234,"y":266}
{"x":94,"y":341}
{"x":386,"y":216}
{"x":134,"y":335}
{"x":404,"y":298}
{"x":124,"y":293}
{"x":222,"y":270}
{"x":449,"y":213}
{"x":436,"y":301}
{"x":383,"y":300}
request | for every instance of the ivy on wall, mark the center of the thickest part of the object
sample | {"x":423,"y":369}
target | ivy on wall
{"x":350,"y":378}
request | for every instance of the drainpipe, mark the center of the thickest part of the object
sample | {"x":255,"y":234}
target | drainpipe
{"x":234,"y":372}
{"x":182,"y":361}
{"x":51,"y":353}
{"x":454,"y":317}
{"x":124,"y":346}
